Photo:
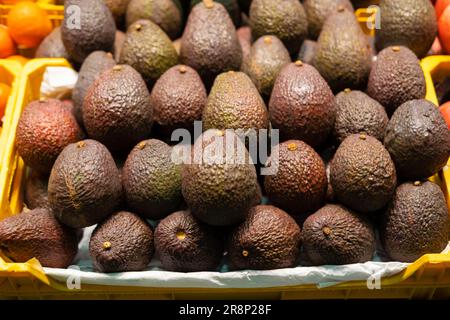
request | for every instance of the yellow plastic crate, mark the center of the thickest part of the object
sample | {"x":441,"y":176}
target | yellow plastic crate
{"x":55,"y":12}
{"x":428,"y":277}
{"x":366,"y":18}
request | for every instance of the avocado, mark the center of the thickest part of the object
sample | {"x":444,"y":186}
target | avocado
{"x":307,"y":51}
{"x":36,"y":194}
{"x":284,"y":19}
{"x":267,"y":57}
{"x":118,"y":9}
{"x":178,"y":99}
{"x":409,"y":23}
{"x":418,"y":140}
{"x":244,"y":35}
{"x":356,"y":112}
{"x":318,"y":11}
{"x":232,"y":7}
{"x":165,"y":13}
{"x":220,"y":184}
{"x":184,"y":244}
{"x":268,"y":239}
{"x":52,"y":46}
{"x":416,"y":222}
{"x":93,"y":30}
{"x":37,"y":234}
{"x":299,"y":185}
{"x":343,"y":55}
{"x":117,"y":110}
{"x":118,"y":44}
{"x":396,"y":77}
{"x":302,"y":104}
{"x":123,"y":242}
{"x":335,"y":235}
{"x":151,"y":180}
{"x":84,"y":186}
{"x":92,"y":67}
{"x":148,"y":50}
{"x":363,"y":174}
{"x":44,"y":129}
{"x":209,"y":43}
{"x":235,"y":103}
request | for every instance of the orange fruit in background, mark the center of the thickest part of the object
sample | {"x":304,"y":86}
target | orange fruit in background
{"x":5,"y":91}
{"x":14,"y":1}
{"x":445,"y":111}
{"x":7,"y":46}
{"x":440,"y":7}
{"x":28,"y":24}
{"x":444,"y":29}
{"x":21,"y":59}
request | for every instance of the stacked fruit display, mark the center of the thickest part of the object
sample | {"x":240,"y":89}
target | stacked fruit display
{"x":357,"y":140}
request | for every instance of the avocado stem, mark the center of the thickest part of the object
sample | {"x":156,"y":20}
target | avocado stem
{"x":417,"y":183}
{"x":362,"y":136}
{"x":181,"y":235}
{"x":340,"y":8}
{"x":292,"y":146}
{"x":42,"y":99}
{"x":138,"y":27}
{"x":396,"y":49}
{"x":81,"y":144}
{"x":117,"y":68}
{"x":245,"y":253}
{"x":267,"y":40}
{"x":326,"y":231}
{"x":141,"y":145}
{"x":220,"y":133}
{"x":299,"y":63}
{"x":106,"y":245}
{"x":182,"y":69}
{"x":208,"y":3}
{"x":347,"y":90}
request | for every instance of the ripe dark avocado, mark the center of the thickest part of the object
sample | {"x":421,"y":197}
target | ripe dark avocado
{"x":36,"y":194}
{"x":118,"y":9}
{"x":235,"y":103}
{"x":209,"y":43}
{"x":123,"y":242}
{"x":299,"y":185}
{"x":268,"y":239}
{"x":148,"y":50}
{"x":307,"y":51}
{"x":92,"y":67}
{"x":84,"y":185}
{"x":52,"y":46}
{"x":117,"y":110}
{"x":178,"y":99}
{"x":396,"y":77}
{"x":335,"y":235}
{"x":244,"y":35}
{"x":302,"y":105}
{"x":318,"y":11}
{"x":37,"y":234}
{"x":363,"y":174}
{"x":96,"y":30}
{"x":44,"y":129}
{"x":285,"y":19}
{"x":151,"y":180}
{"x":267,"y":57}
{"x":416,"y":222}
{"x":165,"y":13}
{"x":232,"y":7}
{"x":217,"y":186}
{"x":409,"y":23}
{"x":356,"y":112}
{"x":184,"y":244}
{"x":343,"y":55}
{"x":118,"y":44}
{"x":418,"y":140}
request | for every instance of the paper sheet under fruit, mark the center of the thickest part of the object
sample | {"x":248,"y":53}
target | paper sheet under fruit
{"x":154,"y":276}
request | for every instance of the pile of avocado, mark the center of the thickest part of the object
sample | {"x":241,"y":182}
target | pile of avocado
{"x":357,"y":139}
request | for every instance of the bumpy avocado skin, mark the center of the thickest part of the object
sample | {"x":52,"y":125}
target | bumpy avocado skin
{"x":396,"y":77}
{"x":299,"y":185}
{"x":267,"y":57}
{"x":178,"y":99}
{"x":165,"y":13}
{"x":117,"y":110}
{"x":235,"y":103}
{"x":44,"y":129}
{"x":151,"y":180}
{"x":52,"y":46}
{"x":118,"y":9}
{"x":232,"y":7}
{"x":285,"y":19}
{"x":418,"y":140}
{"x":416,"y":222}
{"x":148,"y":50}
{"x":37,"y":234}
{"x":343,"y":55}
{"x":209,"y":43}
{"x":363,"y":174}
{"x":84,"y":185}
{"x":92,"y":67}
{"x":356,"y":112}
{"x":96,"y":29}
{"x":268,"y":239}
{"x":302,"y":105}
{"x":36,"y":194}
{"x":409,"y":23}
{"x":123,"y":242}
{"x":318,"y":11}
{"x":184,"y":244}
{"x":335,"y":235}
{"x":219,"y":186}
